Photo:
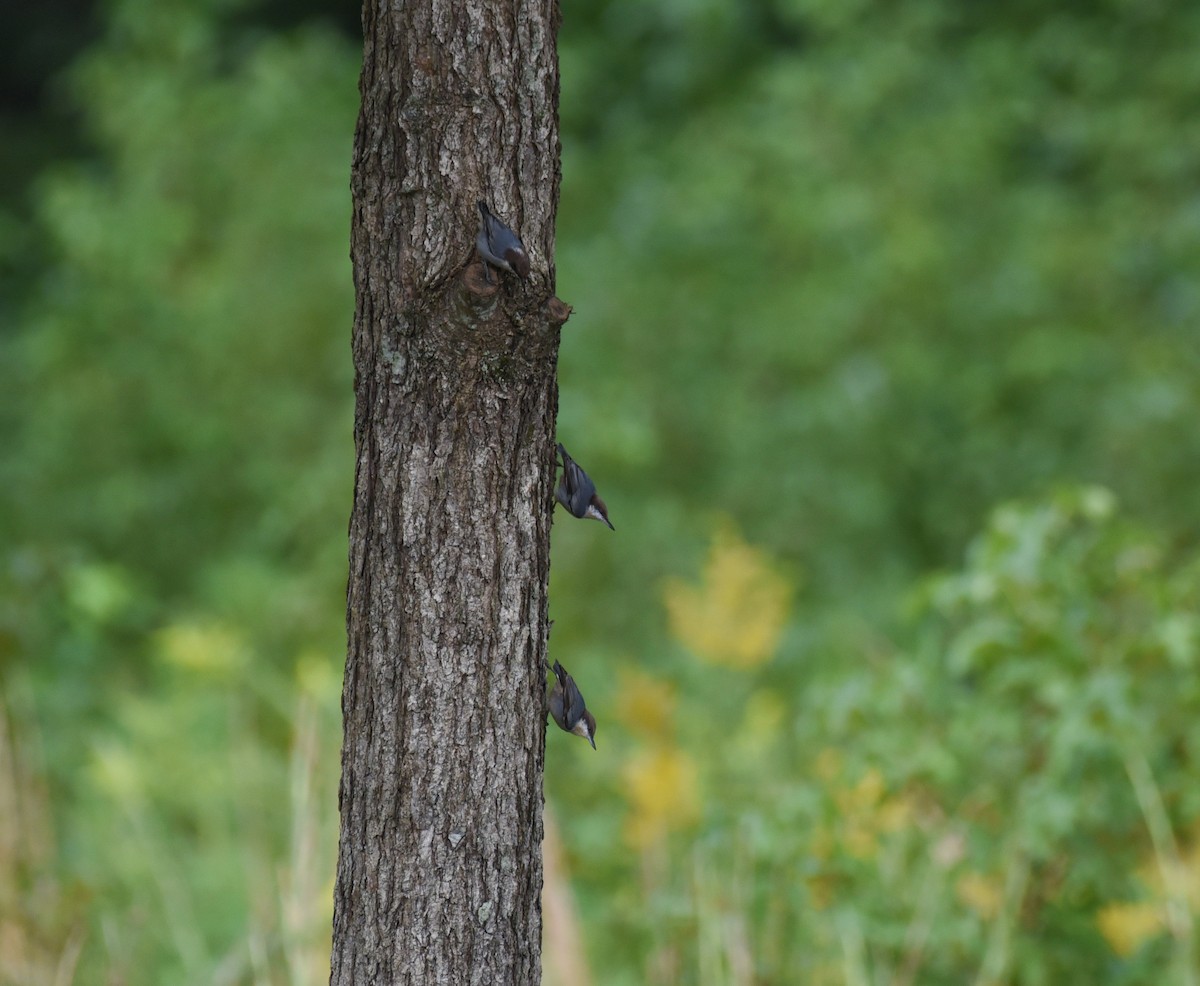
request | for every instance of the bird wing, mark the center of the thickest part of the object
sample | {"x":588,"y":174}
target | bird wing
{"x":585,"y":489}
{"x":575,"y":489}
{"x":574,"y":702}
{"x":556,"y":695}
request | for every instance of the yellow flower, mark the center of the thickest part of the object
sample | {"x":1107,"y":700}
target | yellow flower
{"x":645,"y":704}
{"x":1126,"y":927}
{"x":864,"y":812}
{"x":859,"y":839}
{"x":895,"y":814}
{"x":863,"y":796}
{"x":980,"y":893}
{"x":1179,"y":879}
{"x":822,"y":889}
{"x":735,"y":616}
{"x":823,"y":843}
{"x":663,"y":793}
{"x":857,"y":807}
{"x":828,"y":764}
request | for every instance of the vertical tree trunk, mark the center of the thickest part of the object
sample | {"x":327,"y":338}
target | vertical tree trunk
{"x":439,"y":858}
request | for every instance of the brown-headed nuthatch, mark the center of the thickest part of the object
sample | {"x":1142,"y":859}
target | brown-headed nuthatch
{"x":578,"y":493}
{"x":568,"y":709}
{"x":500,"y":246}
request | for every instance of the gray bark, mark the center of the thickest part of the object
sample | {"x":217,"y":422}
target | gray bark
{"x":439,"y":857}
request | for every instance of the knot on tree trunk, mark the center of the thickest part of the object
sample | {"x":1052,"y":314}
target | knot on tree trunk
{"x":475,"y":280}
{"x":557,"y":311}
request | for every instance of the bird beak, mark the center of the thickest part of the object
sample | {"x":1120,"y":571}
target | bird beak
{"x":593,"y":742}
{"x":609,"y":523}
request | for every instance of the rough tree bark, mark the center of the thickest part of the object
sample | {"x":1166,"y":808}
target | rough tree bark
{"x":439,"y":858}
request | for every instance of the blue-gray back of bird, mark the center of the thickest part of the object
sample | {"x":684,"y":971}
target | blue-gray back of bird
{"x":568,"y":708}
{"x":577,"y":492}
{"x":500,"y":246}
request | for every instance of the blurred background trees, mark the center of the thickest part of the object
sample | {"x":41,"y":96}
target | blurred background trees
{"x":848,"y":278}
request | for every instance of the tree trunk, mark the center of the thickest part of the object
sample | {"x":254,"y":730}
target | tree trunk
{"x":439,"y":858}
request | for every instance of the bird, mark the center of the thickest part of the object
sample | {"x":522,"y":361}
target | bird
{"x":568,"y":708}
{"x":578,"y":493}
{"x":500,"y":246}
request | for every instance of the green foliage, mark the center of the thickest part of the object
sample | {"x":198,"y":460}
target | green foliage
{"x":173,"y":495}
{"x":1008,"y":797}
{"x":846,"y":275}
{"x":908,"y":270}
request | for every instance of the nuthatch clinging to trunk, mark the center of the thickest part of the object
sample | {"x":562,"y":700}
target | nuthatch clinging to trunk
{"x":578,"y":493}
{"x":500,"y":246}
{"x":568,"y":709}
